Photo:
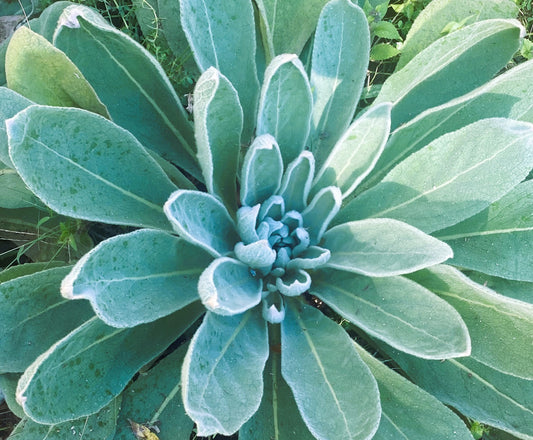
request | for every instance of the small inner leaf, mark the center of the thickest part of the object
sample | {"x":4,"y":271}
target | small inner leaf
{"x":321,"y":211}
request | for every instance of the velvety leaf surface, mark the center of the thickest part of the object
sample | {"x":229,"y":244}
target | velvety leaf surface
{"x":46,"y":23}
{"x":407,"y":411}
{"x":44,"y":74}
{"x":382,"y":247}
{"x":519,"y":290}
{"x":10,"y":104}
{"x":218,"y":123}
{"x":34,"y":316}
{"x":8,"y":388}
{"x":75,"y":160}
{"x":126,"y":288}
{"x":97,"y":361}
{"x":339,"y":64}
{"x":452,"y":178}
{"x":398,"y":311}
{"x":296,"y":182}
{"x":319,"y":359}
{"x":500,"y":327}
{"x":155,"y":398}
{"x":222,"y":374}
{"x":285,"y":105}
{"x":26,"y":269}
{"x":141,"y":99}
{"x":450,"y":67}
{"x":217,"y":32}
{"x":319,"y":213}
{"x":13,"y":191}
{"x":499,"y":239}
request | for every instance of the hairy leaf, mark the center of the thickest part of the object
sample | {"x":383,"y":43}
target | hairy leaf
{"x":10,"y":104}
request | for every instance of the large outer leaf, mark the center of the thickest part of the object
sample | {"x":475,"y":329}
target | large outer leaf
{"x":499,"y":239}
{"x":156,"y":397}
{"x":13,"y":191}
{"x":519,"y":290}
{"x":382,"y":248}
{"x":218,"y":125}
{"x":452,"y":178}
{"x":8,"y":389}
{"x":222,"y":35}
{"x":398,"y":311}
{"x":407,"y":411}
{"x":222,"y":373}
{"x":44,"y":74}
{"x":10,"y":104}
{"x":94,"y":363}
{"x":130,"y":82}
{"x":335,"y":392}
{"x":429,"y":25}
{"x":285,"y":105}
{"x":501,"y":328}
{"x":33,"y":316}
{"x":450,"y":67}
{"x":84,"y":166}
{"x":339,"y":64}
{"x":126,"y":288}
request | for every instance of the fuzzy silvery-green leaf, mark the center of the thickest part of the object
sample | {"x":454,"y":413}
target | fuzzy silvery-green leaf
{"x":407,"y":411}
{"x":520,"y":290}
{"x":21,"y":270}
{"x":46,"y":23}
{"x":383,"y":307}
{"x":8,"y":388}
{"x":44,"y":74}
{"x":311,"y":258}
{"x":498,"y":240}
{"x":296,"y":183}
{"x":339,"y":64}
{"x":34,"y":316}
{"x":450,"y":67}
{"x":313,"y":348}
{"x":127,"y":289}
{"x":476,"y":390}
{"x":159,"y":390}
{"x":261,"y":170}
{"x":99,"y":426}
{"x":500,"y":327}
{"x":356,"y":152}
{"x":10,"y":104}
{"x":73,"y":160}
{"x":141,"y":98}
{"x":95,"y":357}
{"x":13,"y":191}
{"x":319,"y":213}
{"x":431,"y":21}
{"x":218,"y":124}
{"x":203,"y":220}
{"x":382,"y":248}
{"x":285,"y":105}
{"x":222,"y":35}
{"x":454,"y":177}
{"x":222,"y":374}
{"x":227,"y":287}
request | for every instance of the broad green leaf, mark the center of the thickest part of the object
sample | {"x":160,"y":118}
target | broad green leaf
{"x":297,"y":180}
{"x":383,"y":307}
{"x":382,"y":248}
{"x":203,"y":220}
{"x":385,"y":29}
{"x":407,"y":411}
{"x":500,"y":327}
{"x":285,"y":105}
{"x":505,"y":96}
{"x":498,"y":240}
{"x":99,"y":426}
{"x":319,"y":213}
{"x":339,"y":65}
{"x":173,"y":172}
{"x":319,"y":359}
{"x":10,"y":104}
{"x":222,"y":374}
{"x":356,"y":152}
{"x":383,"y":51}
{"x":141,"y":98}
{"x":44,"y":74}
{"x":125,"y":288}
{"x":287,"y":25}
{"x":428,"y":26}
{"x":26,"y":269}
{"x":262,"y":170}
{"x":155,"y":397}
{"x":519,"y":290}
{"x":450,"y":67}
{"x":34,"y":316}
{"x":222,"y":35}
{"x":218,"y":125}
{"x":477,"y":391}
{"x":8,"y":389}
{"x":97,"y":361}
{"x":46,"y":23}
{"x":84,"y":166}
{"x":278,"y":417}
{"x":454,"y":177}
{"x":227,"y":287}
{"x":13,"y":191}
